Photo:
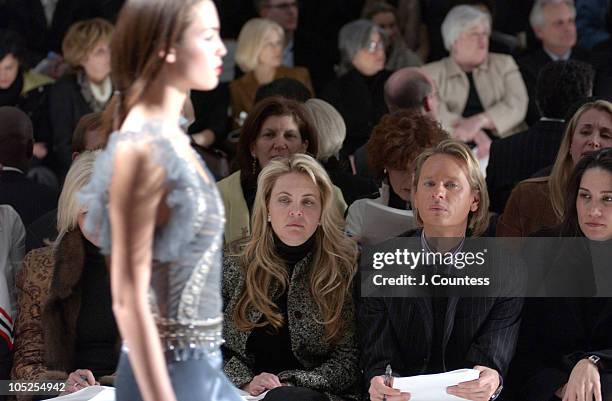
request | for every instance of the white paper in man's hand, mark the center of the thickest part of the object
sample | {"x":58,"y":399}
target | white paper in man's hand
{"x":433,"y":387}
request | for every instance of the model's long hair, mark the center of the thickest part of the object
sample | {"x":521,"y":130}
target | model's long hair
{"x":564,"y":164}
{"x":145,"y":31}
{"x":333,"y":263}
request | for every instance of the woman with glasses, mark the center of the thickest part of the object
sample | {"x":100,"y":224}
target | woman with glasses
{"x":260,"y":56}
{"x":482,"y":94}
{"x":358,"y":94}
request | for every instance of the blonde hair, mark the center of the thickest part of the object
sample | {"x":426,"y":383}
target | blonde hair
{"x":562,"y":169}
{"x":68,"y":207}
{"x":478,"y":221}
{"x":251,"y":41}
{"x":334,"y":260}
{"x":83,"y":37}
{"x":330,"y":127}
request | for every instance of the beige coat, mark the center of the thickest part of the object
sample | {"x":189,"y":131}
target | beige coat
{"x":500,"y":88}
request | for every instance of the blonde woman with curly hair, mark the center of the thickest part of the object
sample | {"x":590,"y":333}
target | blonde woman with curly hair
{"x":289,"y":314}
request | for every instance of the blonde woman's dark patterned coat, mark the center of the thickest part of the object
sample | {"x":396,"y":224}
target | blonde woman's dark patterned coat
{"x":330,"y":369}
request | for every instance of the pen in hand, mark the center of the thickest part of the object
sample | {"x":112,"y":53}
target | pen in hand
{"x":388,"y":379}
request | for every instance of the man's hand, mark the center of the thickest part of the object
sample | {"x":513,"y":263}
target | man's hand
{"x":584,"y":383}
{"x":378,"y":391}
{"x":480,"y":389}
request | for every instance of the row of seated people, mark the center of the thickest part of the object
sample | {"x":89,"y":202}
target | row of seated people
{"x":483,"y":95}
{"x":293,"y":325}
{"x":278,"y":127}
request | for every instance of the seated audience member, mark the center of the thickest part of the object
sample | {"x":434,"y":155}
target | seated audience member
{"x":410,"y":21}
{"x":65,"y":328}
{"x":289,"y":319}
{"x":43,"y":24}
{"x":398,"y":54}
{"x":432,"y":335}
{"x":30,"y":199}
{"x":43,"y":231}
{"x":395,"y":143}
{"x":560,"y":85}
{"x":537,"y":203}
{"x":482,"y":94}
{"x":26,"y":90}
{"x":411,"y":88}
{"x":12,"y":238}
{"x":499,"y":42}
{"x":331,"y":132}
{"x":312,"y":47}
{"x":565,"y":348}
{"x":553,"y":22}
{"x":276,"y":127}
{"x":260,"y":56}
{"x":87,"y":89}
{"x":358,"y":94}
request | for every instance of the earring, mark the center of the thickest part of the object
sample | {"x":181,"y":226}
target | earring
{"x":254,"y":165}
{"x":269,"y":218}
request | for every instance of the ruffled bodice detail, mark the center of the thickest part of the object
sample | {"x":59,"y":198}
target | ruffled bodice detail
{"x":186,"y":273}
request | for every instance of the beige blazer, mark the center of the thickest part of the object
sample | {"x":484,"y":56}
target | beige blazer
{"x":499,"y":85}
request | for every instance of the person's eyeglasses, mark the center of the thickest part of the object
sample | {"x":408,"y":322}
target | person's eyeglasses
{"x":375,"y":45}
{"x":283,"y":6}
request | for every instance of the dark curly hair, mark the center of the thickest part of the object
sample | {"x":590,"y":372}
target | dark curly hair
{"x":560,"y":84}
{"x":400,"y":137}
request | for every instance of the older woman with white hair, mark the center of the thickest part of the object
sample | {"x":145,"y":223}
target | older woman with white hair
{"x":331,"y":132}
{"x":260,"y":55}
{"x":358,"y":94}
{"x":482,"y":94}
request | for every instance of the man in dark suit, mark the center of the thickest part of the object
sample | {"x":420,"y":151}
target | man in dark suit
{"x":432,"y":335}
{"x":517,"y":157}
{"x":30,"y":199}
{"x":553,"y":22}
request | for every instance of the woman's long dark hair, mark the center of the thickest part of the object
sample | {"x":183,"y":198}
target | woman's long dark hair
{"x":600,"y":159}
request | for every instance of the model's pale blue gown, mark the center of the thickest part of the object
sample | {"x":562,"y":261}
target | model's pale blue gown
{"x":185,"y":293}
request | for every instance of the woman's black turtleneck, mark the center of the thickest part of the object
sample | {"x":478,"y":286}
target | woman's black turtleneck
{"x":11,"y":95}
{"x":271,"y":349}
{"x":396,"y":202}
{"x":96,"y":330}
